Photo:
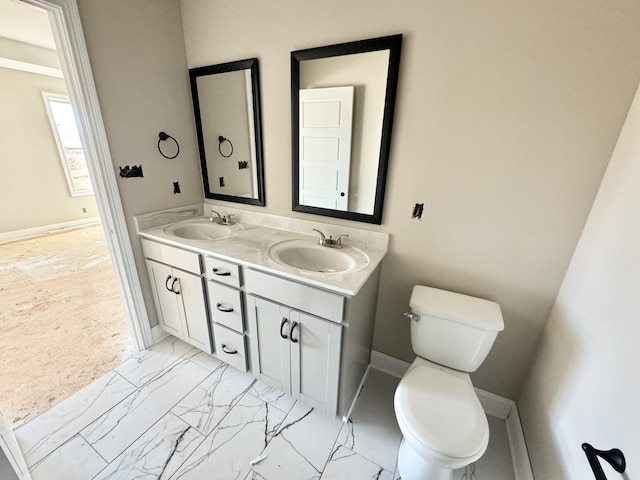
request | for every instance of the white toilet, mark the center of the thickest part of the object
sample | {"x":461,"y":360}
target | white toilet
{"x":442,"y":422}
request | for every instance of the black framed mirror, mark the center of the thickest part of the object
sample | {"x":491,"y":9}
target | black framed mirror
{"x":342,"y":105}
{"x":226,"y":106}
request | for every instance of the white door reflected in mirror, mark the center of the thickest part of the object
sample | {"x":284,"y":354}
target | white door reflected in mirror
{"x":321,"y":155}
{"x":326,"y":117}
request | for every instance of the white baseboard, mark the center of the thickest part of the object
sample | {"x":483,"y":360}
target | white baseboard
{"x":35,"y":231}
{"x":518,"y":446}
{"x":347,"y":416}
{"x":494,"y":405}
{"x":158,"y":334}
{"x":388,"y":364}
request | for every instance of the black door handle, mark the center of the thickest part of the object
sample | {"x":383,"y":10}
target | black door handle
{"x":282,"y":324}
{"x":177,"y":292}
{"x":614,"y":457}
{"x":223,"y":309}
{"x":293,"y":327}
{"x":221,"y":273}
{"x":166,"y":283}
{"x":226,"y":349}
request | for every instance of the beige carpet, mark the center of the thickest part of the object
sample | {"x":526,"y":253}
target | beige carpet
{"x":62,"y":322}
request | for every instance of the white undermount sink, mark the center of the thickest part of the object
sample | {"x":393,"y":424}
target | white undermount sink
{"x":308,"y":256}
{"x":202,"y":229}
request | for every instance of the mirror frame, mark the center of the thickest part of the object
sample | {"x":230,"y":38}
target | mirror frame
{"x":393,"y":43}
{"x":248,"y":64}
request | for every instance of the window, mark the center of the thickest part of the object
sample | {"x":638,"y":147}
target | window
{"x":65,"y":131}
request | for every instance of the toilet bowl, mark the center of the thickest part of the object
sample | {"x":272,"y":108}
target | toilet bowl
{"x":443,"y":424}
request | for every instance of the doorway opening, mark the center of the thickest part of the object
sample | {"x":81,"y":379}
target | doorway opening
{"x":75,"y":263}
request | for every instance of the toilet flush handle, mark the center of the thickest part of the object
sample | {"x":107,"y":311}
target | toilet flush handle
{"x":412,"y":316}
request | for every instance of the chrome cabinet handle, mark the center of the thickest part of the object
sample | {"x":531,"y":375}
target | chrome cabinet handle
{"x":226,"y":349}
{"x":223,"y":309}
{"x":221,"y":273}
{"x":282,"y":324}
{"x":293,"y":327}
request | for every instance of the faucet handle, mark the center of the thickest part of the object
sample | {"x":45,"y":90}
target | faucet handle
{"x":338,"y":240}
{"x":227,"y":218}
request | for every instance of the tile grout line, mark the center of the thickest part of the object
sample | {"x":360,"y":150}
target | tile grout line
{"x":97,"y":453}
{"x":143,"y":433}
{"x":167,"y":370}
{"x":93,"y":420}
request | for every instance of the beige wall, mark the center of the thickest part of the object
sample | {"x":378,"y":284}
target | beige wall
{"x":139,"y":66}
{"x":34,"y":191}
{"x":506,"y":117}
{"x":583,"y":385}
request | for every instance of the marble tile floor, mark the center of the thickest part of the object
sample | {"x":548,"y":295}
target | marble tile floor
{"x":173,"y":412}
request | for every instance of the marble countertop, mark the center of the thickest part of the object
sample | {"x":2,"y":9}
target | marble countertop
{"x":249,"y":247}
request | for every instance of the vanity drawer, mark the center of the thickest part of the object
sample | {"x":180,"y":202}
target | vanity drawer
{"x":225,"y":304}
{"x":297,"y":295}
{"x":222,"y":271}
{"x":173,"y":256}
{"x":230,"y":347}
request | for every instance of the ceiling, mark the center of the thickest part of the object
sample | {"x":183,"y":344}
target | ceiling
{"x":25,"y":23}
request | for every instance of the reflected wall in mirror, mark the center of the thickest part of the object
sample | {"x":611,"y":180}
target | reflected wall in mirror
{"x":342,"y":105}
{"x":226,"y":106}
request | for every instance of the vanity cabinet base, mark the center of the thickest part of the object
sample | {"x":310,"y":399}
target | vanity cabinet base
{"x":312,"y":343}
{"x":296,"y":352}
{"x":318,"y":361}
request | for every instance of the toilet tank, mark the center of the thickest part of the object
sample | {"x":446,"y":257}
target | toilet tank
{"x":454,"y":330}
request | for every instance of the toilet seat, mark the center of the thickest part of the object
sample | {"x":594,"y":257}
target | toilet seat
{"x":440,"y":415}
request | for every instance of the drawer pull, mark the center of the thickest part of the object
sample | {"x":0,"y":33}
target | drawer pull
{"x":293,"y":327}
{"x":221,"y":273}
{"x":282,"y":324}
{"x":224,"y":309}
{"x":226,"y":349}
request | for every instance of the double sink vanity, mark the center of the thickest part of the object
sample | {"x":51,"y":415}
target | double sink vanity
{"x":291,"y":301}
{"x":262,"y":294}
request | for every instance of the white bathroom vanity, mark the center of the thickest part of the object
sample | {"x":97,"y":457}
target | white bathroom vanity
{"x":262,"y":295}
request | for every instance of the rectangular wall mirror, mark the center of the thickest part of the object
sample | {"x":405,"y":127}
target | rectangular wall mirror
{"x":342,"y":105}
{"x":226,"y":106}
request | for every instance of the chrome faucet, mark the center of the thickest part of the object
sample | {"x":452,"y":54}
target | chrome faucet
{"x":220,"y":219}
{"x":217,"y":218}
{"x":329,"y":242}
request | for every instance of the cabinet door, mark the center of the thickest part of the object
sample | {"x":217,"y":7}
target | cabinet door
{"x":269,"y":333}
{"x":196,"y":330}
{"x":167,"y":303}
{"x":315,"y":361}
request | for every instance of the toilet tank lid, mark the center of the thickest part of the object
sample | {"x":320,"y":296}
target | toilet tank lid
{"x":472,"y":311}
